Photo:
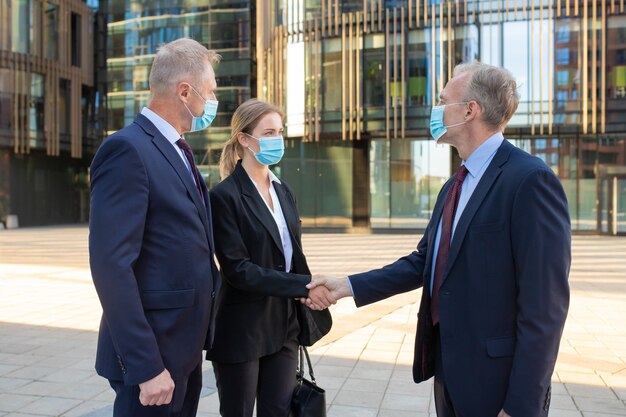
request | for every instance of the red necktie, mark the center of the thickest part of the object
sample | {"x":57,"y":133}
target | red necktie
{"x":182,"y":144}
{"x":449,"y":209}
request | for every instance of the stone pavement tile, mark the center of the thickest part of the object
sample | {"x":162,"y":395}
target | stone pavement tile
{"x":379,"y":356}
{"x":593,"y":391}
{"x":74,"y":375}
{"x":83,"y":364}
{"x":335,"y":361}
{"x":348,"y":411}
{"x":209,"y":404}
{"x":91,"y":409}
{"x":7,"y":369}
{"x":600,"y":405}
{"x":20,"y":415}
{"x":358,"y":399}
{"x":9,"y":384}
{"x":602,"y":414}
{"x":31,"y":372}
{"x":398,"y":413}
{"x":338,"y":371}
{"x":562,"y":402}
{"x":369,"y":373}
{"x":372,"y":363}
{"x":555,"y":412}
{"x":107,"y":396}
{"x":364,"y":385}
{"x":81,"y":391}
{"x":57,"y":362}
{"x":39,"y":388}
{"x":22,"y":359}
{"x":331,"y":394}
{"x":14,"y":402}
{"x":330,"y":382}
{"x":50,"y":406}
{"x":405,"y":402}
{"x":408,"y":387}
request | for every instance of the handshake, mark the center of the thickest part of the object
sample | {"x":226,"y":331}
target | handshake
{"x":325,"y":290}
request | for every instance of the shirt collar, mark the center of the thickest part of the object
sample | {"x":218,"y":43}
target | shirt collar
{"x":272,"y":179}
{"x":483,"y":154}
{"x":162,"y":125}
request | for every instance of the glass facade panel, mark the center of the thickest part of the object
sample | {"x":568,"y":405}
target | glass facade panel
{"x":51,"y":21}
{"x":136,"y":30}
{"x":20,"y":25}
{"x":37,"y":111}
{"x":406,"y":177}
{"x":616,"y":74}
{"x":75,"y":40}
{"x":321,"y":177}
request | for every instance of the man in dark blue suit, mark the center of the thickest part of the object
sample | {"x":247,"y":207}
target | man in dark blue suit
{"x":151,"y":244}
{"x":494,"y":262}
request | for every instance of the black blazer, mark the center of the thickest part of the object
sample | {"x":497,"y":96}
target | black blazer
{"x":151,"y":256}
{"x":505,"y":294}
{"x":252,"y":315}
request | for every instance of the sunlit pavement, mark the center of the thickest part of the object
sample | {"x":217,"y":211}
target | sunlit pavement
{"x":49,"y":315}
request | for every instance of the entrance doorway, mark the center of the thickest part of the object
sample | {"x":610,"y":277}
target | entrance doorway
{"x":612,"y":200}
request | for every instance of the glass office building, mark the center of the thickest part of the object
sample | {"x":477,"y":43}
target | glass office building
{"x":48,"y":109}
{"x":135,"y":31}
{"x":358,"y":79}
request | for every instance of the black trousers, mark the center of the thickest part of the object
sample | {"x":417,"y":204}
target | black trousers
{"x":270,"y":380}
{"x":184,"y":401}
{"x":443,"y":402}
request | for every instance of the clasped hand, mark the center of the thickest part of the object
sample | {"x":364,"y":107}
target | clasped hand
{"x":325,"y":290}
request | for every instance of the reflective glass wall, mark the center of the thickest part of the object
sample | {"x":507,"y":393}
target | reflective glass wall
{"x":369,"y":72}
{"x":135,"y":31}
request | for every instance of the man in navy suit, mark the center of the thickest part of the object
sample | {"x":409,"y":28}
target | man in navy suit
{"x":493,"y":262}
{"x":151,"y":244}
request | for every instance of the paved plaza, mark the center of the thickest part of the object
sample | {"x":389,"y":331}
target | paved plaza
{"x":49,"y":316}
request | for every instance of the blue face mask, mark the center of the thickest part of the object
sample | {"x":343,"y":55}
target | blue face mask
{"x":271,"y":149}
{"x":208,"y":114}
{"x":437,"y":128}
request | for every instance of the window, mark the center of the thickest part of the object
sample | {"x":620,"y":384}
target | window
{"x":51,"y":20}
{"x":76,"y":43}
{"x":20,"y":26}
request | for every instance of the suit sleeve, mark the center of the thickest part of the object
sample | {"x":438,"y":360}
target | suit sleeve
{"x":541,"y":240}
{"x":237,"y":268}
{"x":119,"y":204}
{"x":405,"y":274}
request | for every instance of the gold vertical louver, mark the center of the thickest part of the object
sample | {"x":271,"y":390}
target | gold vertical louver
{"x":402,"y":77}
{"x":594,"y":66}
{"x":585,"y":69}
{"x":603,"y":68}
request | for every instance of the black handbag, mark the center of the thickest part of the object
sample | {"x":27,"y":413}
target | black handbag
{"x":308,"y":399}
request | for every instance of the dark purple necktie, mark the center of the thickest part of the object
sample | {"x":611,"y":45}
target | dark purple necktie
{"x":449,"y":210}
{"x":184,"y":146}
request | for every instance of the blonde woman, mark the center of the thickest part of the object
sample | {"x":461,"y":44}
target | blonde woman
{"x":259,"y":322}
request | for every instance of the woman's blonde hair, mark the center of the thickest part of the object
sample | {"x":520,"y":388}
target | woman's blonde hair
{"x":245,"y":119}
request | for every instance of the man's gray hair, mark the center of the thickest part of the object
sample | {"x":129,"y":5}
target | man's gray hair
{"x":181,"y":60}
{"x":494,"y":89}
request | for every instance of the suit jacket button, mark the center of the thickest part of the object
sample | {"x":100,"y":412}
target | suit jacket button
{"x":281,"y":267}
{"x":212,"y":294}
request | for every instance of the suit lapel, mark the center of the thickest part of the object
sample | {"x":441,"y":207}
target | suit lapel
{"x":177,"y":163}
{"x":256,"y":205}
{"x":289,"y":211}
{"x":486,"y":182}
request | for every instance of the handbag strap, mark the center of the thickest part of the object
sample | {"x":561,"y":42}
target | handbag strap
{"x":305,"y":353}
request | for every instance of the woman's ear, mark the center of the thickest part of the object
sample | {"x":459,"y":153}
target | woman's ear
{"x":242,"y":139}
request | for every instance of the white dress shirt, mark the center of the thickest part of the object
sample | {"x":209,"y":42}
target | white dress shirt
{"x":169,"y":132}
{"x":279,"y":218}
